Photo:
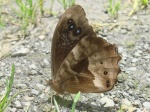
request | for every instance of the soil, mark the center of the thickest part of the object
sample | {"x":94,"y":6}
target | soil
{"x":31,"y":56}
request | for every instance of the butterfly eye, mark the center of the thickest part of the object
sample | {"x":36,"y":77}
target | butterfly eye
{"x":77,"y":31}
{"x":105,"y":72}
{"x":71,"y":26}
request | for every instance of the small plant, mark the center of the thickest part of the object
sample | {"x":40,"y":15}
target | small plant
{"x":138,"y":4}
{"x":28,"y":12}
{"x":113,"y":8}
{"x":121,"y":109}
{"x":144,"y":3}
{"x":5,"y":100}
{"x":66,"y":3}
{"x":2,"y":25}
{"x":73,"y":105}
{"x":75,"y":101}
{"x":41,"y":6}
{"x":134,"y":7}
{"x":51,"y":7}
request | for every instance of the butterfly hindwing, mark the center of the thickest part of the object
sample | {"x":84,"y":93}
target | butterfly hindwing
{"x":86,"y":70}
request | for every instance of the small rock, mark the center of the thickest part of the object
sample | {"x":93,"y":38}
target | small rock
{"x":108,"y":102}
{"x":27,"y":104}
{"x":33,"y":66}
{"x":22,"y":86}
{"x":135,"y":18}
{"x":35,"y":108}
{"x":2,"y":64}
{"x":42,"y":37}
{"x":146,"y":104}
{"x":33,"y":72}
{"x":137,"y":54}
{"x":134,"y":60}
{"x":131,"y":69}
{"x":27,"y":98}
{"x":18,"y":104}
{"x":44,"y":63}
{"x":148,"y":79}
{"x":12,"y":109}
{"x":42,"y":96}
{"x":21,"y":52}
{"x":123,"y":31}
{"x":126,"y":102}
{"x":136,"y":103}
{"x":42,"y":44}
{"x":34,"y":92}
{"x":2,"y":35}
{"x":37,"y":44}
{"x":40,"y":86}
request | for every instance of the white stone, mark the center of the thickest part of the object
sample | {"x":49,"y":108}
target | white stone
{"x":107,"y":101}
{"x":146,"y":104}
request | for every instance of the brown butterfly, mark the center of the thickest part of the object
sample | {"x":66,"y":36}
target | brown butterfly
{"x":81,"y":61}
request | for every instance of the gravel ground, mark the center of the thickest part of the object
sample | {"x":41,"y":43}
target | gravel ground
{"x":31,"y":56}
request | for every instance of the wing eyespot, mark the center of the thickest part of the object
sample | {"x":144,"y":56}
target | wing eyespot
{"x":107,"y":85}
{"x":105,"y":73}
{"x":70,"y":21}
{"x":77,"y":31}
{"x":101,"y":62}
{"x":71,"y":26}
{"x":107,"y":81}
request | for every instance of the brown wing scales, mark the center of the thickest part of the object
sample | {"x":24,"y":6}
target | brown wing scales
{"x":81,"y":61}
{"x":70,"y":29}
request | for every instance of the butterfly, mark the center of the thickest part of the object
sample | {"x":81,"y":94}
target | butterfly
{"x":81,"y":61}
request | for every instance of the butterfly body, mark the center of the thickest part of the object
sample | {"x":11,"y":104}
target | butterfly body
{"x":81,"y":61}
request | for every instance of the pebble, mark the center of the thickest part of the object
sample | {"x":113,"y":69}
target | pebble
{"x":18,"y":104}
{"x":132,"y":69}
{"x":34,"y":92}
{"x":42,"y":37}
{"x":33,"y":67}
{"x":136,"y":103}
{"x":20,"y":52}
{"x":40,"y":86}
{"x":126,"y":102}
{"x":22,"y":86}
{"x":146,"y":104}
{"x":107,"y":101}
{"x":33,"y":72}
{"x":27,"y":98}
{"x":12,"y":109}
{"x":123,"y":31}
{"x":135,"y":18}
{"x":45,"y":63}
{"x":42,"y":96}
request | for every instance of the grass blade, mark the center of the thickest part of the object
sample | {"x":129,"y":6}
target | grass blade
{"x":75,"y":101}
{"x":56,"y":105}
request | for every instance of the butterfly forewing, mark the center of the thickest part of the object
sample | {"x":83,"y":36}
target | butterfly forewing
{"x":70,"y":29}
